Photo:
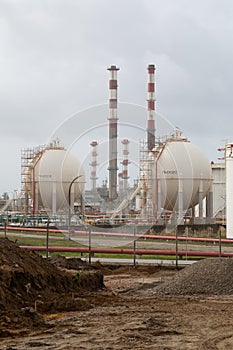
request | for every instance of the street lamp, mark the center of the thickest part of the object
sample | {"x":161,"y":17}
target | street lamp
{"x":69,"y":196}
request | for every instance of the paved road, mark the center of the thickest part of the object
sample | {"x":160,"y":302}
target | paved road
{"x":108,"y":242}
{"x":114,"y":242}
{"x":142,"y":261}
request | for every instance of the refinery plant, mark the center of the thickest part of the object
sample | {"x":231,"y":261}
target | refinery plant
{"x":176,"y":184}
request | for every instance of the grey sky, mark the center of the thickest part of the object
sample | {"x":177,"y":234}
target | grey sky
{"x":54,"y":55}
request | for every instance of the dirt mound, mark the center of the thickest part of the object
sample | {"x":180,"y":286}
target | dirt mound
{"x":208,"y":276}
{"x":69,"y":264}
{"x":30,"y":283}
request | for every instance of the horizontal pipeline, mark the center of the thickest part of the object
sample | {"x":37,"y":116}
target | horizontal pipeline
{"x":113,"y":234}
{"x":128,"y":251}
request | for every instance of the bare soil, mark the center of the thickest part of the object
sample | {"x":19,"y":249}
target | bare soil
{"x":141,"y":308}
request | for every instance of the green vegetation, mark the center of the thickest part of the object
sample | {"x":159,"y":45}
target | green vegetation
{"x":32,"y":241}
{"x":78,"y":276}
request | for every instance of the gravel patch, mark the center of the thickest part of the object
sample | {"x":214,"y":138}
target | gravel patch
{"x":208,"y":276}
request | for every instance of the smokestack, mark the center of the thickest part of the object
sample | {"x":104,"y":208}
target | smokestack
{"x":113,"y":133}
{"x":93,"y":164}
{"x":151,"y":107}
{"x":125,"y":164}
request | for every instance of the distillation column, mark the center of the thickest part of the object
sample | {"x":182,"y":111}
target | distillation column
{"x":113,"y":133}
{"x":125,"y":162}
{"x":151,"y":107}
{"x":200,"y":200}
{"x":93,"y":165}
{"x":209,"y":206}
{"x":120,"y":183}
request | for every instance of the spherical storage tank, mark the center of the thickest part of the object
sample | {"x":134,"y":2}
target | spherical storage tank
{"x":53,"y":173}
{"x":181,"y":174}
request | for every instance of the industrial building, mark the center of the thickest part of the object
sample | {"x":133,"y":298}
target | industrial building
{"x":176,"y":182}
{"x":219,"y":191}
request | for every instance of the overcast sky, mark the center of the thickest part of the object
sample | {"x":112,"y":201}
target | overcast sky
{"x":54,"y":55}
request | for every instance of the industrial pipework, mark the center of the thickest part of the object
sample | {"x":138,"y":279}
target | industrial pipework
{"x":113,"y":133}
{"x":151,"y":107}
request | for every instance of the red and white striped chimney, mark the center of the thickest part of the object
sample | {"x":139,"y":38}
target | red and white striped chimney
{"x":125,"y":162}
{"x":93,"y":164}
{"x":151,"y":107}
{"x":113,"y":133}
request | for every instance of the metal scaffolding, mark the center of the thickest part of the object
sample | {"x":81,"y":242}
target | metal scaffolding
{"x":28,"y":156}
{"x":29,"y":159}
{"x":146,"y":179}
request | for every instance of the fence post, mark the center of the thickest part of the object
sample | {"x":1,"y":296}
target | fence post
{"x":89,"y":244}
{"x":134,"y":246}
{"x":176,"y":247}
{"x":5,"y":228}
{"x":220,"y":243}
{"x":47,"y":239}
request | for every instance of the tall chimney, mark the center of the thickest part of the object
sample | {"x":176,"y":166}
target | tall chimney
{"x":113,"y":133}
{"x":151,"y":107}
{"x":93,"y":165}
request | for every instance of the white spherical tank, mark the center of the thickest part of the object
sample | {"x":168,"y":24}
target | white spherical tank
{"x":53,"y":173}
{"x":180,"y":170}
